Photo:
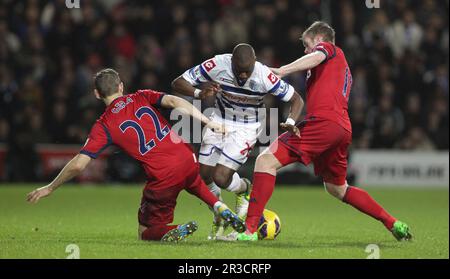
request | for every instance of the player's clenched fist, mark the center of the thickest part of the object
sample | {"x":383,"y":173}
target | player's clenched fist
{"x":217,"y":127}
{"x":291,"y":128}
{"x":209,"y":89}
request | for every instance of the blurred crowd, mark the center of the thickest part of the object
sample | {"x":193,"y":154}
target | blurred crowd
{"x":48,"y":54}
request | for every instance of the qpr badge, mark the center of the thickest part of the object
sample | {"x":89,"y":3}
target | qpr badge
{"x":253,"y":85}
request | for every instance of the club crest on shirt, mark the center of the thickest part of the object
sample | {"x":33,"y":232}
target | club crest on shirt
{"x":283,"y":88}
{"x":253,"y":85}
{"x":121,"y":104}
{"x":194,"y":73}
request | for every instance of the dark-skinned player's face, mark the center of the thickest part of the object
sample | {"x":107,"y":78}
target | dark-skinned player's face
{"x":243,"y":71}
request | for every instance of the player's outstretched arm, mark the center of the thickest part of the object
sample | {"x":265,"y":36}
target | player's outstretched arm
{"x":72,"y":169}
{"x":174,"y":102}
{"x":183,"y":87}
{"x":296,"y":107}
{"x":306,"y":62}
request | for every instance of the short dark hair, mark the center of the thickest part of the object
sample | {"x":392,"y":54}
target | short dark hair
{"x":107,"y":82}
{"x":243,"y":53}
{"x":320,"y":28}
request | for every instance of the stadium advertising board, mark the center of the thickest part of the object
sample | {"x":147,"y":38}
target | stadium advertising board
{"x":397,"y":168}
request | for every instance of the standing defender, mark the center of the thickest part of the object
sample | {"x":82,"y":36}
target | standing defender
{"x":322,"y":138}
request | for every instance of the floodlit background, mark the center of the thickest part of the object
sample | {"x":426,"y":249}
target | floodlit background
{"x":398,"y":54}
{"x":398,"y":51}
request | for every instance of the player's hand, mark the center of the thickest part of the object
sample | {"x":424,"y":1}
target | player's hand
{"x":209,"y":89}
{"x":217,"y":127}
{"x":278,"y":72}
{"x":291,"y":128}
{"x":39,"y":193}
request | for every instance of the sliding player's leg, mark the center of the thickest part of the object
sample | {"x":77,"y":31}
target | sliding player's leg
{"x":167,"y":233}
{"x":196,"y":186}
{"x":156,"y":213}
{"x":154,"y":232}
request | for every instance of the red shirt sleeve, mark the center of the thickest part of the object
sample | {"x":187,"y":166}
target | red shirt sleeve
{"x":327,"y":48}
{"x":153,"y":97}
{"x":98,"y":140}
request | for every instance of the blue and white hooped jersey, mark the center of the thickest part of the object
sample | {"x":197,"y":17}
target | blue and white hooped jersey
{"x":239,"y":103}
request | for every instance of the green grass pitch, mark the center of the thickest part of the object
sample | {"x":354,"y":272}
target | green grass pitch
{"x":102,"y":221}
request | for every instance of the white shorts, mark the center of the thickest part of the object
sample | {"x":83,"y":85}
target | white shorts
{"x":232,"y":149}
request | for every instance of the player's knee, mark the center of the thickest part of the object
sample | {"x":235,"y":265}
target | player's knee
{"x":337,"y":191}
{"x":205,"y":173}
{"x":265,"y":163}
{"x":222,"y":179}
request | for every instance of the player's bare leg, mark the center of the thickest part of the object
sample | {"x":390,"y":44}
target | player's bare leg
{"x":362,"y":201}
{"x":218,"y":225}
{"x":229,"y":179}
{"x":267,"y":163}
{"x":337,"y":191}
{"x":206,"y":174}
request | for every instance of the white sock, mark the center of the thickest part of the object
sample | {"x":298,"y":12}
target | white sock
{"x":237,"y":186}
{"x":217,"y":205}
{"x":215,"y":190}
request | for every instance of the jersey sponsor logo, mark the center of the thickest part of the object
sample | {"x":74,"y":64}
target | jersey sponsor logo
{"x":209,"y":65}
{"x":237,"y":99}
{"x":273,"y":78}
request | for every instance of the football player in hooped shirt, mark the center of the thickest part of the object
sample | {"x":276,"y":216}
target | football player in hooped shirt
{"x":239,"y":83}
{"x":133,"y":123}
{"x":323,"y":137}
